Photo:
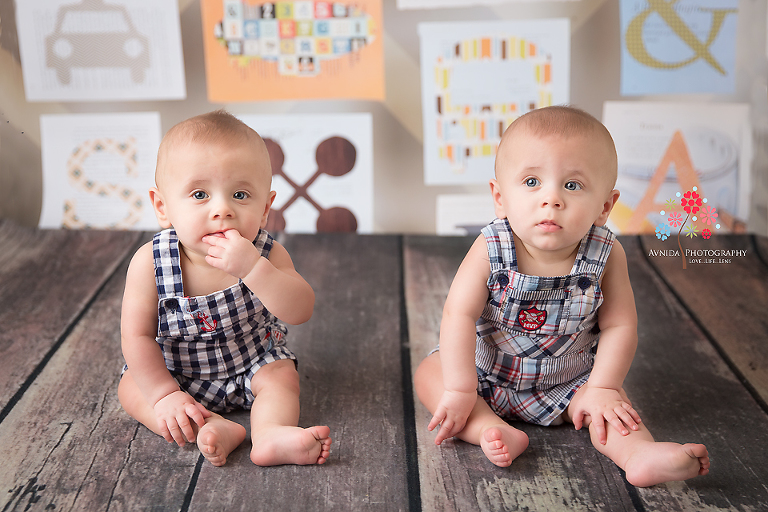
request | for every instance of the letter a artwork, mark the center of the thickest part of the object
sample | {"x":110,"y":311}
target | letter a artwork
{"x":677,"y":154}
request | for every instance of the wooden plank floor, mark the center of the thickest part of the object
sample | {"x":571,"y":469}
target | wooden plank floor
{"x":679,"y":382}
{"x":67,"y":445}
{"x":34,"y":317}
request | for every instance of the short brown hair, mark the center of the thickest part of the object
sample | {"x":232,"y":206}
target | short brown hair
{"x":563,"y":121}
{"x":215,"y":127}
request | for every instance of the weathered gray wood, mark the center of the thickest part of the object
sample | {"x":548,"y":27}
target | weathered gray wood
{"x":678,"y":382}
{"x":685,"y":392}
{"x":761,"y":244}
{"x":46,"y":278}
{"x":67,"y":444}
{"x":350,"y":367}
{"x":550,"y":475}
{"x":728,"y":297}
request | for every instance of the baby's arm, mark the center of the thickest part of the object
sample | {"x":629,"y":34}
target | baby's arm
{"x":617,"y":318}
{"x":144,"y":358}
{"x":464,"y":305}
{"x":274,"y":281}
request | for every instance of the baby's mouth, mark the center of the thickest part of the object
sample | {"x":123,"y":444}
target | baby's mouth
{"x":548,"y":225}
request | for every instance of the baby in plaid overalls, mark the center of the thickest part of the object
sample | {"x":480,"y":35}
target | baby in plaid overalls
{"x":200,"y":328}
{"x":540,"y":322}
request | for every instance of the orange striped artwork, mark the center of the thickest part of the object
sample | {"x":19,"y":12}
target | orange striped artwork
{"x":487,"y":75}
{"x":485,"y":51}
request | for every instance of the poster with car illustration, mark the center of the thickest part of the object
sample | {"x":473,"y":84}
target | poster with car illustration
{"x":100,"y":50}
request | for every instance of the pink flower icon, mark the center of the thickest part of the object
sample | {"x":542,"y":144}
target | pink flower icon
{"x":708,"y":215}
{"x":675,"y":219}
{"x":691,"y":202}
{"x":706,"y":234}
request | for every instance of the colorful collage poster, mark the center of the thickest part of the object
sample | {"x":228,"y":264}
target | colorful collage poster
{"x":322,"y":171}
{"x":670,"y":152}
{"x":98,"y":50}
{"x":98,"y":169}
{"x":478,"y":77}
{"x":685,"y":46}
{"x":300,"y":49}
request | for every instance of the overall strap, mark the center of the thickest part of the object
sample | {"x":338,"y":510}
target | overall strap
{"x":501,"y":245}
{"x":594,"y":251}
{"x":165,"y":252}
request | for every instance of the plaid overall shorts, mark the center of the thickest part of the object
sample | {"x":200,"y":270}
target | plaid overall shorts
{"x":537,"y":336}
{"x":214,"y":344}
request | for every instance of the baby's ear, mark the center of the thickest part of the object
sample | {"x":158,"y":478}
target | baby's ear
{"x":158,"y":203}
{"x":265,"y":216}
{"x":607,"y":207}
{"x":498,"y":204}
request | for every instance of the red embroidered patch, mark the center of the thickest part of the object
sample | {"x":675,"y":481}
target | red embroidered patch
{"x":532,"y":318}
{"x":206,"y":324}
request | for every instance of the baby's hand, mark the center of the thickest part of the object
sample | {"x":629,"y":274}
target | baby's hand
{"x":601,"y":405}
{"x":231,"y":253}
{"x":452,"y":413}
{"x":173,"y":414}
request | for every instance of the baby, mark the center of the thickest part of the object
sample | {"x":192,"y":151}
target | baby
{"x":200,"y":333}
{"x":540,"y":322}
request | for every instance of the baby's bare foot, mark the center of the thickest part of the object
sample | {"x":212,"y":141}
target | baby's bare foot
{"x":291,"y":445}
{"x":218,"y":437}
{"x":667,"y":462}
{"x":502,"y":444}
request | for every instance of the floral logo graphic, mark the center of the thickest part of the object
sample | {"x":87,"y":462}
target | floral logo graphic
{"x":692,"y":208}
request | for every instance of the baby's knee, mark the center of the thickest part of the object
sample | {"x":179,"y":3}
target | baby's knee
{"x":128,"y":393}
{"x":280,"y":374}
{"x":428,"y":373}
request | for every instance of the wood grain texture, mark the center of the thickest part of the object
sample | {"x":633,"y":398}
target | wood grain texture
{"x":727,"y":295}
{"x":350,"y":368}
{"x":679,"y":383}
{"x":685,"y":392}
{"x":47,"y":277}
{"x":550,"y":475}
{"x":761,"y":247}
{"x":68,"y":445}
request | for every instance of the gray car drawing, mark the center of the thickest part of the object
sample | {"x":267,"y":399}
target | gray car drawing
{"x":92,"y":35}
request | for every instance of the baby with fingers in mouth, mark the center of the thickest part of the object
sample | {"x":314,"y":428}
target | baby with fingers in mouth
{"x":205,"y":301}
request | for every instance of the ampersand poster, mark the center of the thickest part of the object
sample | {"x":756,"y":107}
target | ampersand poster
{"x":678,"y":46}
{"x":302,"y":49}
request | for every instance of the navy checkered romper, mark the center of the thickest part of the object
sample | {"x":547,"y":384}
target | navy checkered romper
{"x":214,"y":344}
{"x":537,"y":336}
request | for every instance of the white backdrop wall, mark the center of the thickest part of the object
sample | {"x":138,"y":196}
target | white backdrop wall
{"x":403,"y":203}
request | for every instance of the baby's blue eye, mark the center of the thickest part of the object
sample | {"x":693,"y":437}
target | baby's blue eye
{"x":532,"y":182}
{"x":240,"y":195}
{"x":199,"y":195}
{"x":572,"y":185}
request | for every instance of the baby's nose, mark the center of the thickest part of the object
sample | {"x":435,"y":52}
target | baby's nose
{"x":221,"y":209}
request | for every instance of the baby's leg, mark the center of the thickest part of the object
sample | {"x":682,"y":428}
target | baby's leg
{"x":500,"y":442}
{"x":647,"y":462}
{"x":216,"y":439}
{"x":274,"y":418}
